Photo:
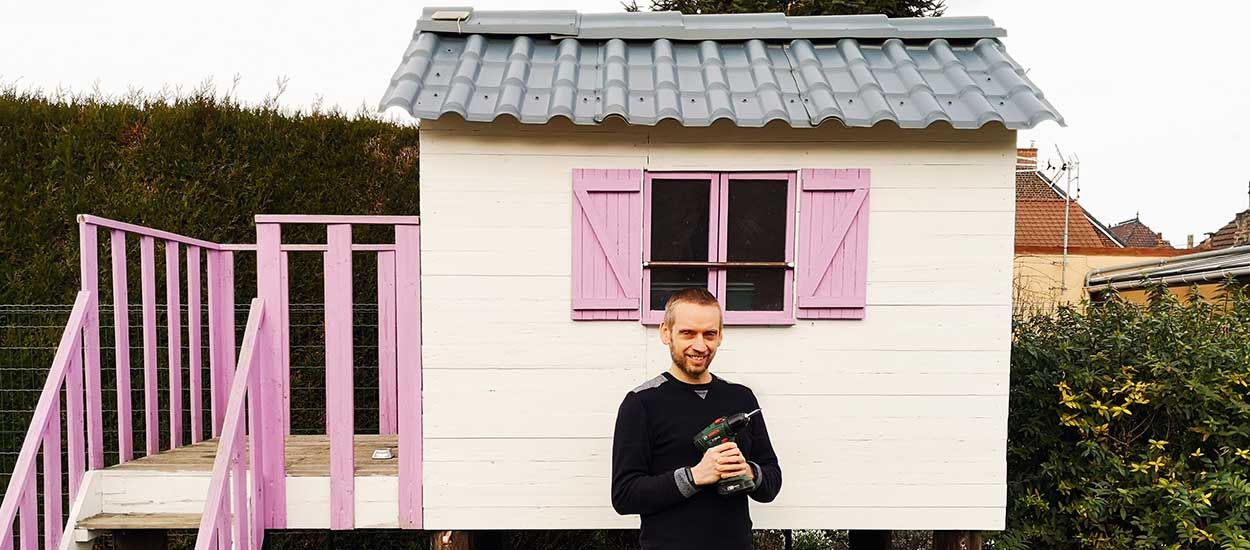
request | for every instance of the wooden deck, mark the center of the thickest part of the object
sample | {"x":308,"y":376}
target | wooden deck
{"x":167,"y":490}
{"x":306,"y":456}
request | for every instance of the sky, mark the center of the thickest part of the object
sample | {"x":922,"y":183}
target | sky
{"x":1156,"y":97}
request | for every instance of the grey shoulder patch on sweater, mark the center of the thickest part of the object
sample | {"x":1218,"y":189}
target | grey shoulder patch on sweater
{"x":652,"y":383}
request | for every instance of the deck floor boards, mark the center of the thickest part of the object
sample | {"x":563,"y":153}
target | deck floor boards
{"x":306,"y":456}
{"x":140,"y":521}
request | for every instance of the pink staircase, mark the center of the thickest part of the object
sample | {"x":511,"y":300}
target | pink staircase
{"x":249,"y":395}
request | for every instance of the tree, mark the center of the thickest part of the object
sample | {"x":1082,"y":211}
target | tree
{"x":891,"y":8}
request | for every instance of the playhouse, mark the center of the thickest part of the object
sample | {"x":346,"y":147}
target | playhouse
{"x":844,"y":185}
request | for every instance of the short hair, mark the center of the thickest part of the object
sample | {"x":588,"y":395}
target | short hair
{"x":697,"y":296}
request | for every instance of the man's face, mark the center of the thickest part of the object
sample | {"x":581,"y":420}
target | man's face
{"x":694,"y":337}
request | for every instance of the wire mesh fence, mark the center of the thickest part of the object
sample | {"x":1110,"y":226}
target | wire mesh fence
{"x":29,"y":335}
{"x":28,"y":338}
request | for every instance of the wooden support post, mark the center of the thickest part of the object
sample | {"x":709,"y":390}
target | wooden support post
{"x":408,"y":371}
{"x":956,"y":540}
{"x":340,"y":426}
{"x":451,"y":540}
{"x":469,"y":540}
{"x":140,"y":539}
{"x":90,"y":270}
{"x":270,"y":402}
{"x":862,"y":539}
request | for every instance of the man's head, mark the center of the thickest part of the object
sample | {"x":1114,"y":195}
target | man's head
{"x":692,"y":330}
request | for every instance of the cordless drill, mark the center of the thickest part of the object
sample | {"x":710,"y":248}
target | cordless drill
{"x":722,"y":430}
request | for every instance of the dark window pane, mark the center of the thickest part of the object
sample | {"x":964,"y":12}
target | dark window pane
{"x":755,"y":289}
{"x":667,"y":280}
{"x":757,"y":220}
{"x":679,"y":220}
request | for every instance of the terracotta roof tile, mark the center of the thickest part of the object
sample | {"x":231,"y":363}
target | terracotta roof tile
{"x":1031,"y":186}
{"x":1040,"y":223}
{"x":1135,"y":234}
{"x":1234,"y":233}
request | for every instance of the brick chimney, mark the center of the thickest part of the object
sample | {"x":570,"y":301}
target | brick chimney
{"x":1026,"y":159}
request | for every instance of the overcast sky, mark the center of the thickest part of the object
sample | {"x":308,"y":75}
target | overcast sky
{"x":1157,"y":99}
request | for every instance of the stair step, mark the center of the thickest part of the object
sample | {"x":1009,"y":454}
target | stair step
{"x":141,"y":521}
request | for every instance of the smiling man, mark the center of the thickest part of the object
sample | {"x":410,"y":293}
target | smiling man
{"x":658,"y":473}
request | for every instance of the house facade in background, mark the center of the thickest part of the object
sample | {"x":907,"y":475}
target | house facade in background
{"x":843,"y":184}
{"x":1224,"y":256}
{"x":1054,"y":252}
{"x":1136,"y":234}
{"x":1234,"y":233}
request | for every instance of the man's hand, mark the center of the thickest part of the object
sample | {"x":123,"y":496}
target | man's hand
{"x":719,"y":462}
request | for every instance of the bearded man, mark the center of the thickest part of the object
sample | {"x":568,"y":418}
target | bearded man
{"x":658,"y":473}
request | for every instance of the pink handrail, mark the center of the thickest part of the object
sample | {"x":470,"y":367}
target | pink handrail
{"x":45,"y":433}
{"x":230,"y":464}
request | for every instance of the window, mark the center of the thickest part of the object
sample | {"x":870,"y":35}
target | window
{"x":733,"y":233}
{"x":729,"y":232}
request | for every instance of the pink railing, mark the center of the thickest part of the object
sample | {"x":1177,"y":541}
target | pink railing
{"x":258,"y":388}
{"x":230,"y":466}
{"x":44,"y":434}
{"x":220,"y":272}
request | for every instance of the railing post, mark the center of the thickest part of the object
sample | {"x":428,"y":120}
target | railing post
{"x":121,"y":344}
{"x":284,"y":370}
{"x":52,"y":518}
{"x":28,"y":511}
{"x":74,"y":416}
{"x":258,"y":439}
{"x":90,"y":272}
{"x":388,"y":398}
{"x":239,"y":479}
{"x":220,"y":333}
{"x":193,"y":343}
{"x":339,"y":403}
{"x":173,"y":331}
{"x":151,"y":393}
{"x":408,"y":367}
{"x":270,"y":388}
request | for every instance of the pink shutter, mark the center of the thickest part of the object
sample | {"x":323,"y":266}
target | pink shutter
{"x":607,"y":246}
{"x":833,"y":244}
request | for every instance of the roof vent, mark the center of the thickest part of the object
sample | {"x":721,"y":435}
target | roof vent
{"x":451,"y":15}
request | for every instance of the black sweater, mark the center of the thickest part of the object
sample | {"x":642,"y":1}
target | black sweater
{"x":653,"y":450}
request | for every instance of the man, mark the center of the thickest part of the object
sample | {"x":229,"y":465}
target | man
{"x":658,"y":473}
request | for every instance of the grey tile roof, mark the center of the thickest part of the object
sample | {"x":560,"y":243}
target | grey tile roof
{"x":758,"y":68}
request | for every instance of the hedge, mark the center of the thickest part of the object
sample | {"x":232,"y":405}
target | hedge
{"x":201,"y":165}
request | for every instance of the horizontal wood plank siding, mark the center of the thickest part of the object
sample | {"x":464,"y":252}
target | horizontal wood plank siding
{"x":912,"y":399}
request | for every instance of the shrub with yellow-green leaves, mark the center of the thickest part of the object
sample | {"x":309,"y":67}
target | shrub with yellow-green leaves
{"x":1130,"y":426}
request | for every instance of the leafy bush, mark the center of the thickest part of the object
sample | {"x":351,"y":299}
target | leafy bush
{"x":1130,"y":426}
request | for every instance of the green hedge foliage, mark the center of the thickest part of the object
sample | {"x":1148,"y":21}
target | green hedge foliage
{"x":1130,"y":426}
{"x":199,"y":165}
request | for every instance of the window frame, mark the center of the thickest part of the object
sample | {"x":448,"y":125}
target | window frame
{"x":718,"y":243}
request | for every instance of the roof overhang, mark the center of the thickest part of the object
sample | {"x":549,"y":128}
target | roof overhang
{"x":749,"y":69}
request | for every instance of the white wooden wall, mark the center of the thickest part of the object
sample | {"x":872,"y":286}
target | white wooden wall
{"x":897,"y":421}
